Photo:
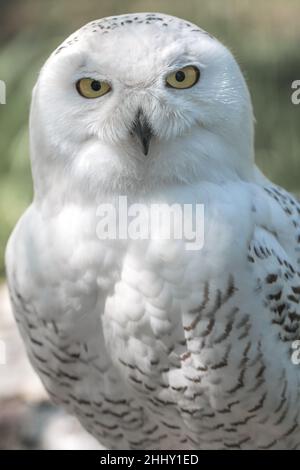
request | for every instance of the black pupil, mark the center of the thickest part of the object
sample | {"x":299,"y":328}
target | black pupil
{"x":180,"y":76}
{"x":95,"y":85}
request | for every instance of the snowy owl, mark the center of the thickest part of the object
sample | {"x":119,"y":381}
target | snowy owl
{"x":151,"y":345}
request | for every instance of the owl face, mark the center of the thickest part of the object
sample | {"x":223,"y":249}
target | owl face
{"x":139,"y":99}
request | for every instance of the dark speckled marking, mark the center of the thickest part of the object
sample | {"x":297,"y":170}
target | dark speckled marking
{"x":107,"y":25}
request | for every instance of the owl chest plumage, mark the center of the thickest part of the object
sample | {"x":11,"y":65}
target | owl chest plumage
{"x":152,"y":345}
{"x":204,"y":366}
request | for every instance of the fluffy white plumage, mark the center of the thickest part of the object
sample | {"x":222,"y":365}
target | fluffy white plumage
{"x":150,"y":345}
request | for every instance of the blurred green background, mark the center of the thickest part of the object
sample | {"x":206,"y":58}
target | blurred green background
{"x":264,"y":35}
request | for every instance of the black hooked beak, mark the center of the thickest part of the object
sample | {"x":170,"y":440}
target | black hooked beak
{"x":142,"y":129}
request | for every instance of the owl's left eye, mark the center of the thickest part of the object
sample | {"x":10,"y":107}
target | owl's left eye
{"x":184,"y":78}
{"x":89,"y":88}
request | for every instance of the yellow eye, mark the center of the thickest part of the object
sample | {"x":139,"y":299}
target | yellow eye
{"x":89,"y":88}
{"x":184,"y":78}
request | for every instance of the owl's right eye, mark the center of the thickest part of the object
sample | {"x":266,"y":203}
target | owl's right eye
{"x":184,"y":78}
{"x":90,"y":88}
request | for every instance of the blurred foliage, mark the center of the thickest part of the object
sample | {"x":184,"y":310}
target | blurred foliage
{"x":263,"y":35}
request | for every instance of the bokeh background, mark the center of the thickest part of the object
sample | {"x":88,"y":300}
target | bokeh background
{"x":264,"y":36}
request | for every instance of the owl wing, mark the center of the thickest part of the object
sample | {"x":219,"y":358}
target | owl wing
{"x":278,"y":276}
{"x":59,"y":317}
{"x":240,"y":384}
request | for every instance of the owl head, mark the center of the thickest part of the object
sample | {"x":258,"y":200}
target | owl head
{"x":138,"y":101}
